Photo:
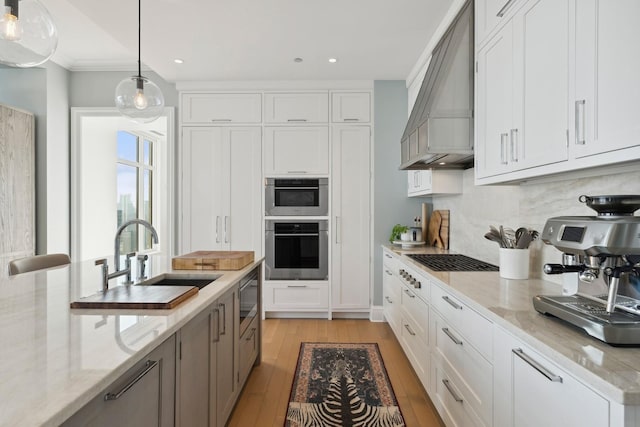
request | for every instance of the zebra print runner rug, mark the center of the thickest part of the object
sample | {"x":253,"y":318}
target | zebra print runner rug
{"x":338,"y":384}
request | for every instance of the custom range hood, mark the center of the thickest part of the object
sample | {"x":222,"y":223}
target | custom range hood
{"x":439,"y":133}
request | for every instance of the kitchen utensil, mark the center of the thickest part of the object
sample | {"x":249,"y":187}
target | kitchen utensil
{"x":433,"y":233}
{"x":494,"y":238}
{"x":524,"y":240}
{"x":612,"y":205}
{"x":510,"y":237}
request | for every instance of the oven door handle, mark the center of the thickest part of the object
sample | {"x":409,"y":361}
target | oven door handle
{"x":296,"y":235}
{"x":296,"y":188}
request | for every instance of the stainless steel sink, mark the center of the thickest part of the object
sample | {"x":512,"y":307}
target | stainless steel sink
{"x":168,"y":279}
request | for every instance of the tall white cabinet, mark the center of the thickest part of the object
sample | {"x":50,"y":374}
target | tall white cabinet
{"x":221,"y":201}
{"x":351,"y":205}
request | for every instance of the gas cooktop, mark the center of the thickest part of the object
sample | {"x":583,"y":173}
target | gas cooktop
{"x":452,"y":262}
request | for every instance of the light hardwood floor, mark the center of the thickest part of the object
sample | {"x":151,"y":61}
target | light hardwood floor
{"x":263,"y":401}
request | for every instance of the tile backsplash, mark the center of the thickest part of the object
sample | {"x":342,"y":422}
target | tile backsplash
{"x":527,"y":205}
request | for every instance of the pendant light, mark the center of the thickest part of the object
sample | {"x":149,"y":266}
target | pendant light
{"x":137,"y":97}
{"x":28,"y":36}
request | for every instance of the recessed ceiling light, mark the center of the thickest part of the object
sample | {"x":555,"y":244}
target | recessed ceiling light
{"x":333,"y":60}
{"x":178,"y":61}
{"x":297,"y":59}
{"x":442,"y":163}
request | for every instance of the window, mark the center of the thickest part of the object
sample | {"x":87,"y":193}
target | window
{"x":135,"y":172}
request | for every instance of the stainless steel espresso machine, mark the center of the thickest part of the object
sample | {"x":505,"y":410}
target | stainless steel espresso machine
{"x":607,"y":246}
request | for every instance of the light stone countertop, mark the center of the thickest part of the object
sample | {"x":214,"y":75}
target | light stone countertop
{"x":54,"y":359}
{"x":614,"y":372}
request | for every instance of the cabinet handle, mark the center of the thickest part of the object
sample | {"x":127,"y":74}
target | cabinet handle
{"x":252,"y":334}
{"x":296,"y":286}
{"x":224,"y":318}
{"x":513,"y":137}
{"x":450,"y":335}
{"x":296,"y":171}
{"x":452,"y":303}
{"x":503,"y":148}
{"x":221,"y":120}
{"x":226,"y":229}
{"x":406,"y":291}
{"x":216,"y":318}
{"x":388,"y":272}
{"x":504,"y":9}
{"x":453,"y":393}
{"x":217,"y":229}
{"x":580,"y":122}
{"x":409,"y":329}
{"x":351,"y":120}
{"x":338,"y":231}
{"x":148,"y":366}
{"x":296,"y":120}
{"x":537,"y":366}
{"x":389,"y":300}
{"x":388,"y":256}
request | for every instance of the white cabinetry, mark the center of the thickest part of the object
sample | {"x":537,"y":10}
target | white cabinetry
{"x":522,"y":90}
{"x":296,"y":150}
{"x":490,"y":14}
{"x":428,"y":182}
{"x":350,"y":107}
{"x":296,"y":108}
{"x":391,"y":290}
{"x":606,"y":80}
{"x":350,"y":189}
{"x":533,"y":391}
{"x":221,"y":189}
{"x":221,"y":108}
{"x":297,"y":296}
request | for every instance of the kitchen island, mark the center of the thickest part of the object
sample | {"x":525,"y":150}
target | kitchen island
{"x":54,"y":359}
{"x":479,"y":325}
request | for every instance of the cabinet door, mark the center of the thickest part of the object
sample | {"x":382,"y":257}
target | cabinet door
{"x":607,"y":60}
{"x":144,"y":396}
{"x":539,"y":133}
{"x":351,"y":107}
{"x":494,"y":103}
{"x":350,"y":176}
{"x":296,"y":150}
{"x":243,"y":228}
{"x":391,"y":299}
{"x":221,"y":108}
{"x":296,"y":108}
{"x":194,"y":374}
{"x":489,"y":15}
{"x":226,"y":364}
{"x":205,"y":165}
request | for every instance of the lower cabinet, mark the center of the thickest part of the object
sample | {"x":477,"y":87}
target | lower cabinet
{"x":301,"y":295}
{"x":207,"y":373}
{"x":143,"y":396}
{"x":248,"y":349}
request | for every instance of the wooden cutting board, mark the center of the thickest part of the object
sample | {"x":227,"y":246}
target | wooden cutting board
{"x":213,"y":260}
{"x":138,"y":297}
{"x":438,"y":229}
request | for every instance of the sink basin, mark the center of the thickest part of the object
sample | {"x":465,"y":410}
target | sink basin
{"x":180,"y":280}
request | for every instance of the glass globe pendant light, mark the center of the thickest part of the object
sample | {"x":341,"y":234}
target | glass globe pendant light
{"x":137,"y":97}
{"x":28,"y":36}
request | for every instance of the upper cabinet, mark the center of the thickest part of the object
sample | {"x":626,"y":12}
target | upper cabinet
{"x":296,"y":150}
{"x":350,"y":107}
{"x":221,"y":108}
{"x":296,"y":108}
{"x":490,"y":14}
{"x":523,"y":92}
{"x":556,"y":88}
{"x":607,"y":93}
{"x":432,"y":182}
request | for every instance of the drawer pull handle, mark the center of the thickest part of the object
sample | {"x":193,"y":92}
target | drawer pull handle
{"x":296,"y":172}
{"x":409,"y":329}
{"x":388,"y":256}
{"x":147,"y":367}
{"x":537,"y":366}
{"x":351,"y":120}
{"x":221,"y":120}
{"x":504,"y":9}
{"x":453,"y":393}
{"x":450,"y":335}
{"x":388,"y":272}
{"x":406,"y":291}
{"x":389,"y":300}
{"x":452,"y":303}
{"x":252,"y":334}
{"x":296,"y":286}
{"x":296,"y":120}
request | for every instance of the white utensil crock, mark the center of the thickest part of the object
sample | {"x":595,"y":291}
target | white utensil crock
{"x":514,"y":263}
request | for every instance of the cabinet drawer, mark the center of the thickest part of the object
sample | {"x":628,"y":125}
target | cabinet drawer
{"x":221,"y":108}
{"x":389,"y":261}
{"x":414,"y":347}
{"x":296,"y":108}
{"x":418,"y":311}
{"x":448,"y":398}
{"x":248,"y":349}
{"x":472,"y":372}
{"x":296,"y":150}
{"x":296,"y":296}
{"x":415,"y":281}
{"x":351,"y":107}
{"x":476,"y":329}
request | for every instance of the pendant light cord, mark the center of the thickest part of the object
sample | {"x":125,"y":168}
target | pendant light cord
{"x":139,"y":37}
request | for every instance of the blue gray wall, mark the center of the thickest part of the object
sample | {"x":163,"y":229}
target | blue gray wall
{"x":391,"y":204}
